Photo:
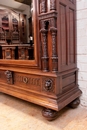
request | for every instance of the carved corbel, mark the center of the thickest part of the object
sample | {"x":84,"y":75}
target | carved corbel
{"x":9,"y":76}
{"x":54,"y":57}
{"x":44,"y":46}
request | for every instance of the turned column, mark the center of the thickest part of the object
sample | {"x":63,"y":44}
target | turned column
{"x":44,"y":46}
{"x":54,"y":57}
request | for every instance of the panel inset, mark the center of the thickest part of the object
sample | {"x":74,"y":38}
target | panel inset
{"x":71,"y":37}
{"x":63,"y":34}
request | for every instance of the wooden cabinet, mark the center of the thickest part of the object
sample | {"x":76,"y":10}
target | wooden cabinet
{"x":50,"y":79}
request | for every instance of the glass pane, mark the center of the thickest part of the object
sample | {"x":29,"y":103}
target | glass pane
{"x":16,"y":34}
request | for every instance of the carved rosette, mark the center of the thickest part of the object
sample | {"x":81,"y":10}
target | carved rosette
{"x":54,"y":57}
{"x":52,"y":4}
{"x":44,"y":46}
{"x":9,"y":76}
{"x":43,"y":6}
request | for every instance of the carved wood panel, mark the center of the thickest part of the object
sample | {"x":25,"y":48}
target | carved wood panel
{"x":52,"y":4}
{"x":48,"y":84}
{"x":27,"y":81}
{"x":66,"y":37}
{"x":71,"y":37}
{"x":43,"y":6}
{"x":6,"y":77}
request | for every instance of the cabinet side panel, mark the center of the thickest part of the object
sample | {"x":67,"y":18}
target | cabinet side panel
{"x":71,"y":37}
{"x":66,"y":35}
{"x":63,"y":44}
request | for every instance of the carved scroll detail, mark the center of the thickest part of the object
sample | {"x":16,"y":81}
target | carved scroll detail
{"x":54,"y":57}
{"x":43,"y":6}
{"x":9,"y":76}
{"x":44,"y":46}
{"x":52,"y":4}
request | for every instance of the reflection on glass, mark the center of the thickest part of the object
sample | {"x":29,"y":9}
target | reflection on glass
{"x":16,"y":34}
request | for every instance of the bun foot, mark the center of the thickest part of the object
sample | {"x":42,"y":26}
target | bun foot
{"x":75,"y":103}
{"x":49,"y":114}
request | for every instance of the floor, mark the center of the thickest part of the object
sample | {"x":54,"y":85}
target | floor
{"x":16,"y":114}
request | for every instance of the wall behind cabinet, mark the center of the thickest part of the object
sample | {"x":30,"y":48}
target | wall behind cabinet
{"x":82,"y":48}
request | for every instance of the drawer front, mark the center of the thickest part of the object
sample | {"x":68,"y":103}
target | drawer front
{"x":39,"y":83}
{"x":27,"y":81}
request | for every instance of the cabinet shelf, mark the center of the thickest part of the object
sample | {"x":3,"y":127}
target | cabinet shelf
{"x":5,"y":28}
{"x":15,"y":24}
{"x":6,"y":22}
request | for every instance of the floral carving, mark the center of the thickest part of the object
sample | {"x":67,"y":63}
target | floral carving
{"x":43,"y":6}
{"x":52,"y":4}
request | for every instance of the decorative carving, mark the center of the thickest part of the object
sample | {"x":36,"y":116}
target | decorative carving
{"x":9,"y":76}
{"x":44,"y":46}
{"x":8,"y":52}
{"x":54,"y":57}
{"x":27,"y":80}
{"x":23,"y":52}
{"x":48,"y":15}
{"x":49,"y":114}
{"x":43,"y":6}
{"x":48,"y":84}
{"x":52,"y":4}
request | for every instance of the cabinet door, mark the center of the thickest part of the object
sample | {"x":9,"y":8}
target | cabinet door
{"x":21,"y":48}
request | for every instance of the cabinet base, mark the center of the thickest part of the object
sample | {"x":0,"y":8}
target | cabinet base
{"x":75,"y":103}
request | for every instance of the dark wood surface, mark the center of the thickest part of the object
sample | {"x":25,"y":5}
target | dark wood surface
{"x":51,"y":78}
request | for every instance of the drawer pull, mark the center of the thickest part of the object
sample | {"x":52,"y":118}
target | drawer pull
{"x":25,"y":80}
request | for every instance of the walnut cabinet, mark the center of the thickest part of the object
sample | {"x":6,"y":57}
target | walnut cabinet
{"x":50,"y":78}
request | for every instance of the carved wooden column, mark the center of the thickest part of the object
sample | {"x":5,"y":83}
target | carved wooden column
{"x":54,"y":57}
{"x":43,"y":6}
{"x":44,"y":46}
{"x":52,"y":4}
